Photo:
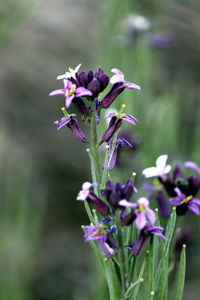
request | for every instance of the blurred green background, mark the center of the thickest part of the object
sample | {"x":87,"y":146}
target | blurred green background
{"x":156,"y":44}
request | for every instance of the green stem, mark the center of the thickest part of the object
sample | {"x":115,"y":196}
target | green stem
{"x":95,"y":150}
{"x":122,"y":263}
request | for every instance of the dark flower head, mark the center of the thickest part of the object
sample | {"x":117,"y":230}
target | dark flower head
{"x":144,"y":237}
{"x":184,"y":202}
{"x":116,"y":121}
{"x":95,"y":82}
{"x":71,"y":122}
{"x":90,"y":196}
{"x":116,"y":192}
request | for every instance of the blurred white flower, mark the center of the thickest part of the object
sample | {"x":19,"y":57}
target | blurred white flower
{"x":160,"y":169}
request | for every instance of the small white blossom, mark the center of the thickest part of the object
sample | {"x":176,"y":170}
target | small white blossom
{"x":160,"y":169}
{"x":83,"y":194}
{"x":70,"y":74}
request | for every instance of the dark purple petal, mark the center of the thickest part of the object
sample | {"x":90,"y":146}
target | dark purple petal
{"x":142,"y":240}
{"x":112,"y":95}
{"x":163,"y":204}
{"x":175,"y":201}
{"x":130,"y":119}
{"x":113,"y":158}
{"x":94,"y":86}
{"x":98,"y":204}
{"x":82,"y":79}
{"x":113,"y":126}
{"x":73,"y":125}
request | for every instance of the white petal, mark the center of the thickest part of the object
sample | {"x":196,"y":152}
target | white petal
{"x":150,"y":172}
{"x":86,"y":185}
{"x":167,"y":169}
{"x":144,"y":201}
{"x":161,"y":161}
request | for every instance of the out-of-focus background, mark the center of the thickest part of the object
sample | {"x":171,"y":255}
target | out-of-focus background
{"x":157,"y":45}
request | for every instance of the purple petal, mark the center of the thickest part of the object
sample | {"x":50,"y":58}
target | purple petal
{"x":117,"y":71}
{"x":191,"y":165}
{"x":107,"y":250}
{"x":195,"y":201}
{"x":81,"y":91}
{"x":110,"y":115}
{"x":113,"y":158}
{"x":178,"y":191}
{"x":175,"y":201}
{"x":140,"y":220}
{"x":132,"y":86}
{"x":151,"y":215}
{"x":125,"y":203}
{"x":64,"y":121}
{"x":130,"y":119}
{"x":194,"y":208}
{"x":162,"y":236}
{"x":58,"y":92}
{"x":68,"y":100}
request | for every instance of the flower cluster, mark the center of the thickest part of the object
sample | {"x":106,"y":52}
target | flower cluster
{"x":181,"y":189}
{"x":83,"y":88}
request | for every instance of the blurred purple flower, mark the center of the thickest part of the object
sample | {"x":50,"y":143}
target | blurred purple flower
{"x":162,"y":40}
{"x":116,"y":192}
{"x":183,"y":203}
{"x":116,"y":122}
{"x":72,"y":123}
{"x":119,"y":85}
{"x":102,"y":234}
{"x":71,"y":91}
{"x":87,"y":194}
{"x":144,"y":237}
{"x":113,"y":156}
{"x":141,"y":210}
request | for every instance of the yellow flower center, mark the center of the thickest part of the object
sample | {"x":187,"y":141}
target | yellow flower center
{"x":71,"y":92}
{"x":186,"y":200}
{"x":100,"y":230}
{"x":141,"y":208}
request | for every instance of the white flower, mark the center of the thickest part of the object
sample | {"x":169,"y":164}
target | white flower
{"x":70,"y":74}
{"x":160,"y":169}
{"x":137,"y":22}
{"x":83,"y":194}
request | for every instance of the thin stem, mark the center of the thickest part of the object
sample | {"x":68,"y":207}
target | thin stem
{"x":95,"y":150}
{"x":122,"y":263}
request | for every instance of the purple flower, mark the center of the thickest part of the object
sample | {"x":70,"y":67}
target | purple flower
{"x":183,"y":203}
{"x":119,"y":85}
{"x":116,"y":192}
{"x":87,"y":194}
{"x":71,"y":122}
{"x":144,"y":237}
{"x":141,"y":210}
{"x":116,"y":122}
{"x":113,"y":156}
{"x":71,"y":91}
{"x":162,"y":40}
{"x":102,"y":234}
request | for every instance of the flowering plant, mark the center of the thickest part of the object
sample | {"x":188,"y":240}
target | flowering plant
{"x":121,"y":227}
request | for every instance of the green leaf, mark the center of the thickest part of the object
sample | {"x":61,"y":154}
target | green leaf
{"x":181,"y":276}
{"x":113,"y":283}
